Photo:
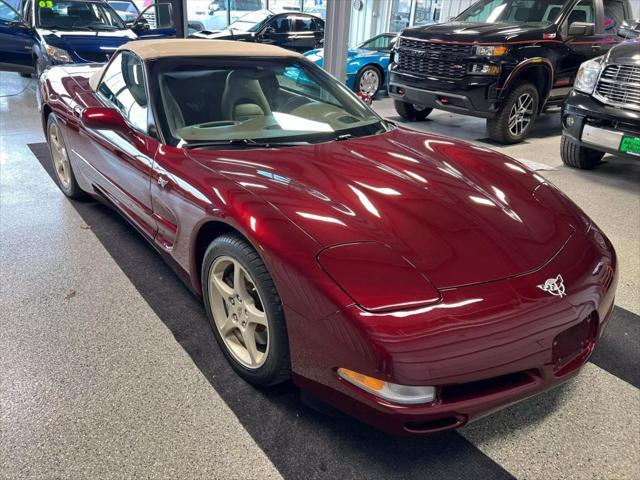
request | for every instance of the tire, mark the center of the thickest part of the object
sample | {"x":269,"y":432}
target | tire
{"x":63,"y":172}
{"x":368,"y":81}
{"x":576,"y":156}
{"x":500,"y":128}
{"x":411,"y":112}
{"x":271,"y":364}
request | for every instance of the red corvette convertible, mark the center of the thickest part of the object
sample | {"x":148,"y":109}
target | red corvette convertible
{"x":413,"y":281}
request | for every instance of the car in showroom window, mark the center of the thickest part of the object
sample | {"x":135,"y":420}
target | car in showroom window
{"x":295,"y":31}
{"x":328,"y":246}
{"x":503,"y":60}
{"x":52,"y":32}
{"x":367,"y":64}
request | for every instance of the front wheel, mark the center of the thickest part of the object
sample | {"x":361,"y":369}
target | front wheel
{"x":65,"y":178}
{"x":514,"y":120}
{"x":576,"y":156}
{"x":245,"y":311}
{"x":410,"y":111}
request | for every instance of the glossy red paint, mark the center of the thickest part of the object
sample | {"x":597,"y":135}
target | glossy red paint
{"x":467,"y":233}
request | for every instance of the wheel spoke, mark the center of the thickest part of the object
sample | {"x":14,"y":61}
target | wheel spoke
{"x":227,"y":326}
{"x":219,"y":284}
{"x":255,"y":316}
{"x":249,"y":340}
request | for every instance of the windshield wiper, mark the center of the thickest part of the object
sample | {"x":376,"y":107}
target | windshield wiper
{"x":61,"y":27}
{"x":243,"y":142}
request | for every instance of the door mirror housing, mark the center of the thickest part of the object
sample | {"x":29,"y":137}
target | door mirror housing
{"x":582,"y":28}
{"x":140,"y":25}
{"x":102,"y":118}
{"x":269,"y":31}
{"x":19,"y":24}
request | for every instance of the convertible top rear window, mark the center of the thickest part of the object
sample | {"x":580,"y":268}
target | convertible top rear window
{"x":205,"y":100}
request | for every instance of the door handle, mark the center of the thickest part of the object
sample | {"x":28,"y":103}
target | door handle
{"x":596,"y":46}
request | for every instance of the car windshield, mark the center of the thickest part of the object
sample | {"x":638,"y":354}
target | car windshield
{"x":251,"y":22}
{"x":77,"y":15}
{"x":221,"y":101}
{"x":128,"y":7}
{"x":381,"y":43}
{"x":541,"y":12}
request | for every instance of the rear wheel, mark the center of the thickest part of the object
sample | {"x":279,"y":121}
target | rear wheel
{"x":516,"y":116}
{"x":245,"y":311}
{"x":410,"y":111}
{"x":64,"y":175}
{"x":576,"y":156}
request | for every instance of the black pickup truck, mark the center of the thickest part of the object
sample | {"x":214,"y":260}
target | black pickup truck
{"x":602,"y":113}
{"x":503,"y":60}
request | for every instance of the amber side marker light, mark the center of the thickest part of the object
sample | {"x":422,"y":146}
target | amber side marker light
{"x":392,"y":392}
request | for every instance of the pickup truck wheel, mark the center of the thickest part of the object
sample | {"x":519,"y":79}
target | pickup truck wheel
{"x":576,"y":156}
{"x":513,"y":121}
{"x":410,"y":111}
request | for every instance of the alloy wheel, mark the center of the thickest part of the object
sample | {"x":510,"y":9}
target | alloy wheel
{"x":238,"y":312}
{"x":521,"y":114}
{"x":59,"y":155}
{"x":369,"y":82}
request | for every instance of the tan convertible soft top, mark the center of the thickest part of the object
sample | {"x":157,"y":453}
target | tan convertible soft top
{"x":193,"y":47}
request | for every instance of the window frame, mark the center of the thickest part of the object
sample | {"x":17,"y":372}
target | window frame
{"x":150,"y":123}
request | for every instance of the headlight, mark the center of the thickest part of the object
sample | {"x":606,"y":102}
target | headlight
{"x":490,"y":50}
{"x":59,"y":54}
{"x":588,"y":75}
{"x":392,"y":392}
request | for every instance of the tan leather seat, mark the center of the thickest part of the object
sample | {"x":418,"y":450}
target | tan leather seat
{"x":243,"y":97}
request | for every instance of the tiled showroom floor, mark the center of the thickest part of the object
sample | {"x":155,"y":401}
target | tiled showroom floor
{"x":108,"y":368}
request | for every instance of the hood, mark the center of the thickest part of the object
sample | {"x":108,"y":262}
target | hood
{"x":88,"y":42}
{"x":460,"y":213}
{"x":479,"y":32}
{"x":317,"y":56}
{"x":626,"y":53}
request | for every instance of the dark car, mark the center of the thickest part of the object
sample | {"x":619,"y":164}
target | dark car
{"x":52,"y":32}
{"x":503,"y":60}
{"x":296,"y":31}
{"x":602,"y":113}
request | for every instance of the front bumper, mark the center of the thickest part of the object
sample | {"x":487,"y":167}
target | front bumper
{"x":598,"y":126}
{"x":473,"y":95}
{"x":483,"y":346}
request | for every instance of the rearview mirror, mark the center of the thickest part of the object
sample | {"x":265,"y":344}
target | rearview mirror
{"x":582,"y":28}
{"x":101,"y":118}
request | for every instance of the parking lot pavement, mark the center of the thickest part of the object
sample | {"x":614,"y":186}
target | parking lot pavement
{"x":109,"y":370}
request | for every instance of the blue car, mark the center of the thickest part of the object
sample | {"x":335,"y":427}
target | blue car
{"x":41,"y":33}
{"x":367,"y":64}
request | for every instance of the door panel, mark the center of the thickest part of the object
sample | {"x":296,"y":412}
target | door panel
{"x":123,"y":161}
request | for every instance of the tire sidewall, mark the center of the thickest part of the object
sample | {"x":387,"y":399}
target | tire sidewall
{"x":278,"y":350}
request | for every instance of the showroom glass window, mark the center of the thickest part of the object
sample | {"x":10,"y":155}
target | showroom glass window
{"x":123,"y":86}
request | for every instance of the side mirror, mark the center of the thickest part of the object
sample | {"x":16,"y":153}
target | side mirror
{"x":101,"y":118}
{"x":140,"y":25}
{"x":269,"y":31}
{"x":582,"y":28}
{"x":368,"y":99}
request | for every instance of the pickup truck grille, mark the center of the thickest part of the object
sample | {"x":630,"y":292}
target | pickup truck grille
{"x":619,"y":85}
{"x":438,"y":59}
